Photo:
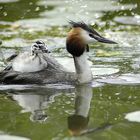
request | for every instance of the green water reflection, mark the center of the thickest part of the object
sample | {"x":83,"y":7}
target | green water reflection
{"x":60,"y":115}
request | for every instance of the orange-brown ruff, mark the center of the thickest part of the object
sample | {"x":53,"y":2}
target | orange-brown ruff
{"x":75,"y":42}
{"x":76,"y":46}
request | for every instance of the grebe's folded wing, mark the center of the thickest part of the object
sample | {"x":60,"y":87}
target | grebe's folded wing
{"x":48,"y":76}
{"x":54,"y":73}
{"x":13,"y":77}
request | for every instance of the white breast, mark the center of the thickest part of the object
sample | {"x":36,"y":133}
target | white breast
{"x":83,"y":70}
{"x":25,"y":62}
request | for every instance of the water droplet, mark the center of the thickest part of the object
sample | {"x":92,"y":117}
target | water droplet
{"x":129,"y":97}
{"x":115,"y":119}
{"x":101,"y":95}
{"x":37,"y":8}
{"x":30,"y":3}
{"x":136,"y":5}
{"x":29,"y":10}
{"x":72,"y":99}
{"x":117,"y":94}
{"x":70,"y":112}
{"x":68,"y":102}
{"x":5,"y":13}
{"x":122,"y":7}
{"x":118,"y":98}
{"x":87,"y":13}
{"x":135,"y":97}
{"x":109,"y":97}
{"x":84,"y":6}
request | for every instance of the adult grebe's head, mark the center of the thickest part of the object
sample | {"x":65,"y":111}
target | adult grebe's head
{"x":39,"y":47}
{"x":80,"y":36}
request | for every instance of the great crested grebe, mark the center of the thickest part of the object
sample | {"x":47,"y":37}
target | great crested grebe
{"x":77,"y":44}
{"x":46,"y":69}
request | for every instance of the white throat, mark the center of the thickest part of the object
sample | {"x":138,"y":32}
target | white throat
{"x":83,"y":70}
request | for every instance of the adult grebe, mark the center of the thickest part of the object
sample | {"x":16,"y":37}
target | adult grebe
{"x":51,"y":71}
{"x":77,"y":44}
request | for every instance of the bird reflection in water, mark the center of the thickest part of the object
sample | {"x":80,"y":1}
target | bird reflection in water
{"x":34,"y":104}
{"x":36,"y":101}
{"x":78,"y":122}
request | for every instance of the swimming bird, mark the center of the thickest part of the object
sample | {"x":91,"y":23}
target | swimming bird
{"x":50,"y":71}
{"x":77,"y":45}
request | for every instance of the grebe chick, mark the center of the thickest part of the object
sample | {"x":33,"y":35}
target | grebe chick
{"x":31,"y":61}
{"x":35,"y":67}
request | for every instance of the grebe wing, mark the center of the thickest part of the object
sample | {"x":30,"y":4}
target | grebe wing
{"x":48,"y":76}
{"x":13,"y":77}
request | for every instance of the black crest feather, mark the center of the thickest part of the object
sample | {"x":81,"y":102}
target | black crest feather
{"x":84,"y":26}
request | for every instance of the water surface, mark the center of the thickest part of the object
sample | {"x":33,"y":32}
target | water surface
{"x":108,"y":108}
